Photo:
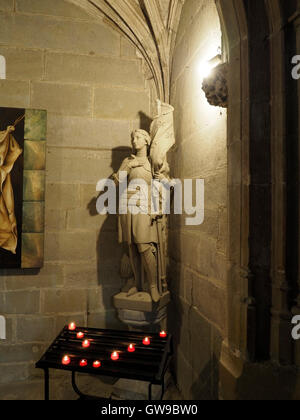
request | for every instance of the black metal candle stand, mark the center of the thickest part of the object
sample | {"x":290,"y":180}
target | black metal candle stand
{"x":146,"y":363}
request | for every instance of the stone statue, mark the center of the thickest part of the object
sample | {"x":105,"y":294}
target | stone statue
{"x":143,"y":266}
{"x":9,"y":153}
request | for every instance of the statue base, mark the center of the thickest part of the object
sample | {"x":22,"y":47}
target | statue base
{"x":139,"y":310}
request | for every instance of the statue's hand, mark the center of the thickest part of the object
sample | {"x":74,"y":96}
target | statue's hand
{"x":129,"y":164}
{"x":168,"y":182}
{"x":173,"y":183}
{"x":133,"y":163}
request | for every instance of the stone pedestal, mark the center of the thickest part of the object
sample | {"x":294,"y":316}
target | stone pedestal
{"x":139,"y":310}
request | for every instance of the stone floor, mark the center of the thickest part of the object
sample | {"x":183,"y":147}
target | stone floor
{"x":172,"y":393}
{"x":126,"y":389}
{"x":102,"y":387}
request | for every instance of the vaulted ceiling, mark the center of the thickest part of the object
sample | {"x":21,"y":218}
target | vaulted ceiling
{"x":151,"y":25}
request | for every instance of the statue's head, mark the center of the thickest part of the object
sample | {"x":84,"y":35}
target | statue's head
{"x":140,"y":139}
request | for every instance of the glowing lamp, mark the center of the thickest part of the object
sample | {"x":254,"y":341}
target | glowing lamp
{"x":80,"y":335}
{"x":163,"y":334}
{"x":96,"y":364}
{"x":66,"y":360}
{"x":83,"y":363}
{"x":205,"y":67}
{"x":146,"y":341}
{"x":86,"y":344}
{"x":115,"y":356}
{"x":72,"y":326}
{"x":131,"y":348}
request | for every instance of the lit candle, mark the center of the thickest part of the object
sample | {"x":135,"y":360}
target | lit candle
{"x":83,"y":363}
{"x":163,"y":334}
{"x":66,"y":360}
{"x":80,"y":335}
{"x":72,"y":326}
{"x":146,"y":341}
{"x":131,"y":348}
{"x":115,"y":356}
{"x":86,"y":344}
{"x":96,"y":364}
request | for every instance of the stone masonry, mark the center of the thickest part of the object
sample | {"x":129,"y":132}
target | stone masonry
{"x":198,"y":254}
{"x":91,"y":83}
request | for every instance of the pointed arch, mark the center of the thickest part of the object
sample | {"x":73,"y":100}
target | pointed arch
{"x":144,"y":24}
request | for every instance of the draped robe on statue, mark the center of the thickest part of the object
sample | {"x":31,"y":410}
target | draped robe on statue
{"x":147,"y":228}
{"x":9,"y":153}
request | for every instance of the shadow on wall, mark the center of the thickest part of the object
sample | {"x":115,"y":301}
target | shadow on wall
{"x":109,"y":251}
{"x":197,"y":343}
{"x":145,"y":121}
{"x":195,"y":366}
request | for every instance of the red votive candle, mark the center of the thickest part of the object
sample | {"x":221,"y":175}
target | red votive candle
{"x":72,"y":326}
{"x":86,"y":344}
{"x":115,"y":356}
{"x":131,"y":348}
{"x":163,"y":334}
{"x":80,"y":335}
{"x":66,"y":360}
{"x":146,"y":341}
{"x":96,"y":364}
{"x":83,"y":363}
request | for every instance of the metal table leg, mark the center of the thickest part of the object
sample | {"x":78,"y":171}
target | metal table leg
{"x":150,"y":392}
{"x":75,"y":387}
{"x":46,"y":379}
{"x":84,"y":396}
{"x":162,"y":389}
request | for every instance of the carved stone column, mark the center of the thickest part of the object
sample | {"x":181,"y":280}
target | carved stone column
{"x":296,"y":309}
{"x":281,"y":350}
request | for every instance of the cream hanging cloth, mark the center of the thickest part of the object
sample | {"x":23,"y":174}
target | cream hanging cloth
{"x":9,"y":153}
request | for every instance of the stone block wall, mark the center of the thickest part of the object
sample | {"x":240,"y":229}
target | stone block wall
{"x":91,"y":83}
{"x":198,"y":253}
